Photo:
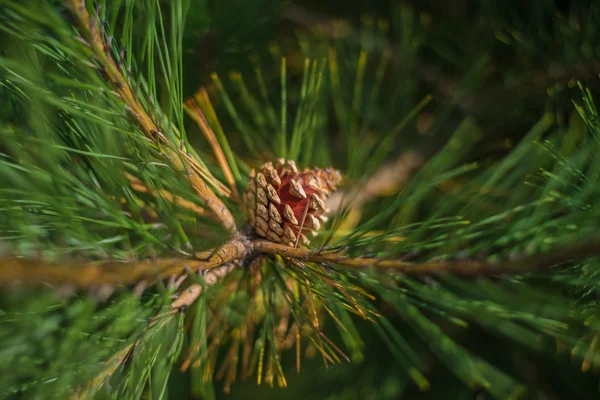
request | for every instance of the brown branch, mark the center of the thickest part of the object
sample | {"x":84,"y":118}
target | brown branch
{"x":95,"y":273}
{"x":219,"y":264}
{"x":100,"y":273}
{"x":89,"y":30}
{"x":467,"y":268}
{"x":211,"y":277}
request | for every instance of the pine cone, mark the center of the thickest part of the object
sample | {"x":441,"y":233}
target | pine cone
{"x":283,"y":204}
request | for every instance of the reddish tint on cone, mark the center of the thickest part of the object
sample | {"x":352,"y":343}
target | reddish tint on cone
{"x":284,"y":204}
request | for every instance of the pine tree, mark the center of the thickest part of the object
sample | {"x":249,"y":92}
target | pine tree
{"x":358,"y":208}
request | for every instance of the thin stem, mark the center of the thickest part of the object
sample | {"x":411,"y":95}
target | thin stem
{"x":457,"y":267}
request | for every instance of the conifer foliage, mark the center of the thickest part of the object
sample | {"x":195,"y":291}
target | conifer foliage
{"x":364,"y":208}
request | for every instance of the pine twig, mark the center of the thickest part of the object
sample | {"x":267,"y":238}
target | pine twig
{"x":218,"y":265}
{"x":89,"y":30}
{"x":211,"y":277}
{"x":465,"y":268}
{"x":113,"y":273}
{"x":96,"y":273}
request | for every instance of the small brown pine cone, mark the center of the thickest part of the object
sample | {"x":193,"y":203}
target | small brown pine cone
{"x":284,"y":204}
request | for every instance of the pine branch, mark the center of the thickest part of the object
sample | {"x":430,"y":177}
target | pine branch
{"x":97,"y":273}
{"x":89,"y":29}
{"x":287,"y":293}
{"x":467,"y":268}
{"x":217,"y":265}
{"x":114,"y":273}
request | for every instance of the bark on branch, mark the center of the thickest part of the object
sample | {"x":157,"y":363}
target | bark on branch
{"x":467,"y":268}
{"x":218,"y":264}
{"x":94,"y":274}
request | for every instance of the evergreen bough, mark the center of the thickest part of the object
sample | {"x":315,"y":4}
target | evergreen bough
{"x":128,"y":269}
